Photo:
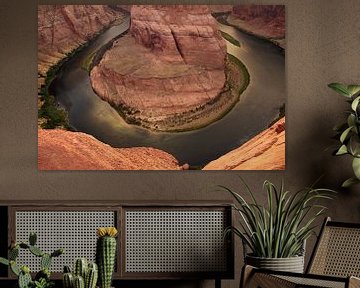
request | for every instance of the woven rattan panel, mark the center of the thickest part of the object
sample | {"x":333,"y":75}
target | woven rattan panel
{"x":75,"y":231}
{"x":175,"y":241}
{"x":338,"y":253}
{"x":312,"y":282}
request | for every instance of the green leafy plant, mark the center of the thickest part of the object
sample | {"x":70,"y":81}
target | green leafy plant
{"x":43,"y":283}
{"x":280,"y":229}
{"x":42,"y":278}
{"x":349,"y":132}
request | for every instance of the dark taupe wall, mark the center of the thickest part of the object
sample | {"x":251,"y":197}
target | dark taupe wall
{"x":323,"y":46}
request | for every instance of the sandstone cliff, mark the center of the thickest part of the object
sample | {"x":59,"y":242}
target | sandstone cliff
{"x":64,"y":150}
{"x":171,"y":64}
{"x":266,"y":151}
{"x":62,"y":28}
{"x":266,"y":21}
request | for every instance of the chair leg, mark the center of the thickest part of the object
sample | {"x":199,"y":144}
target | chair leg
{"x":250,"y":278}
{"x":217,"y":283}
{"x":246,"y":273}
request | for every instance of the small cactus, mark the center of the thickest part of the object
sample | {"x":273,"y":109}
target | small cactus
{"x":106,"y":254}
{"x":91,"y":276}
{"x":45,"y":261}
{"x":68,"y":280}
{"x":90,"y":272}
{"x":57,"y":253}
{"x":13,"y":253}
{"x":24,"y":278}
{"x":14,"y":268}
{"x":79,"y":282}
{"x":36,"y":251}
{"x":80,"y":268}
{"x":32,"y":239}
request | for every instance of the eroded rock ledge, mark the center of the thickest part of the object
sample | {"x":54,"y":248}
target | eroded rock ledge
{"x":264,"y":21}
{"x":65,"y":150}
{"x":170,"y":66}
{"x":62,"y":28}
{"x":266,"y":151}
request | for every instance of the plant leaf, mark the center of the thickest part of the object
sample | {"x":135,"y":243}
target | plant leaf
{"x":340,"y":88}
{"x":345,"y":134}
{"x":4,"y":261}
{"x":354,"y":145}
{"x":353,"y":89}
{"x":351,"y":120}
{"x":355,"y":103}
{"x":356,"y":167}
{"x":342,"y":150}
{"x":349,"y":182}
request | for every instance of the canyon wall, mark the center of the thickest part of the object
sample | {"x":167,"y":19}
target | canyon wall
{"x":62,"y":28}
{"x":265,"y":151}
{"x":266,"y":21}
{"x":179,"y":33}
{"x":172,"y":63}
{"x":65,"y":150}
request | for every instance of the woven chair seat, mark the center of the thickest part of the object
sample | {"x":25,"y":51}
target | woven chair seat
{"x":335,"y":262}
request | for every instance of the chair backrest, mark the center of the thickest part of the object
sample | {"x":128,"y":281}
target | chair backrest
{"x":337,"y":251}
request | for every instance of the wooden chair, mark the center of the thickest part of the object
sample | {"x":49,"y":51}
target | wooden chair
{"x":335,"y":262}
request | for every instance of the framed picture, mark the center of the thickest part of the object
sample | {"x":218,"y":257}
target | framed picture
{"x":161,"y":87}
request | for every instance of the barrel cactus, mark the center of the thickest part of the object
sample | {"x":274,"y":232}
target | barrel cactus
{"x":106,"y":254}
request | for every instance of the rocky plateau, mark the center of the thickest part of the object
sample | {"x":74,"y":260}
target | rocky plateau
{"x":265,"y":151}
{"x":65,"y":150}
{"x":170,"y":64}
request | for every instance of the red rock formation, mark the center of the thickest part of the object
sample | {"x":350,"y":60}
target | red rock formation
{"x":62,"y":28}
{"x":266,"y":21}
{"x":172,"y":63}
{"x":220,"y":8}
{"x":179,"y":33}
{"x":266,"y":151}
{"x":64,"y":150}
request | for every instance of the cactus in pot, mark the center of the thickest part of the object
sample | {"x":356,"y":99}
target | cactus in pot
{"x":85,"y":275}
{"x":106,"y":254}
{"x":42,"y":278}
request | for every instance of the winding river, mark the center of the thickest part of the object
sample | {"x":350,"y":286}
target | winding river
{"x":258,"y":106}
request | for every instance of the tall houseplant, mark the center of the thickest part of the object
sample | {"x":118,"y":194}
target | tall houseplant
{"x":275,"y":234}
{"x":349,"y":131}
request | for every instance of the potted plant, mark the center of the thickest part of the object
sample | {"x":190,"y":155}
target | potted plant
{"x":276,"y":233}
{"x":349,"y":132}
{"x":42,"y":278}
{"x":84,"y":274}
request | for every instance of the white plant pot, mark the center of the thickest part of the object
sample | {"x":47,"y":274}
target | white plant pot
{"x":291,"y":264}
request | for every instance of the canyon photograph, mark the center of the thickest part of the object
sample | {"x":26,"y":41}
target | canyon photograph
{"x":161,"y":87}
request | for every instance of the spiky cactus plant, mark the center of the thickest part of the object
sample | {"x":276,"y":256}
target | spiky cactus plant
{"x":81,"y":266}
{"x":91,"y":276}
{"x":85,"y":275}
{"x":68,"y":278}
{"x":23,"y":273}
{"x":106,"y":254}
{"x":25,"y":279}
